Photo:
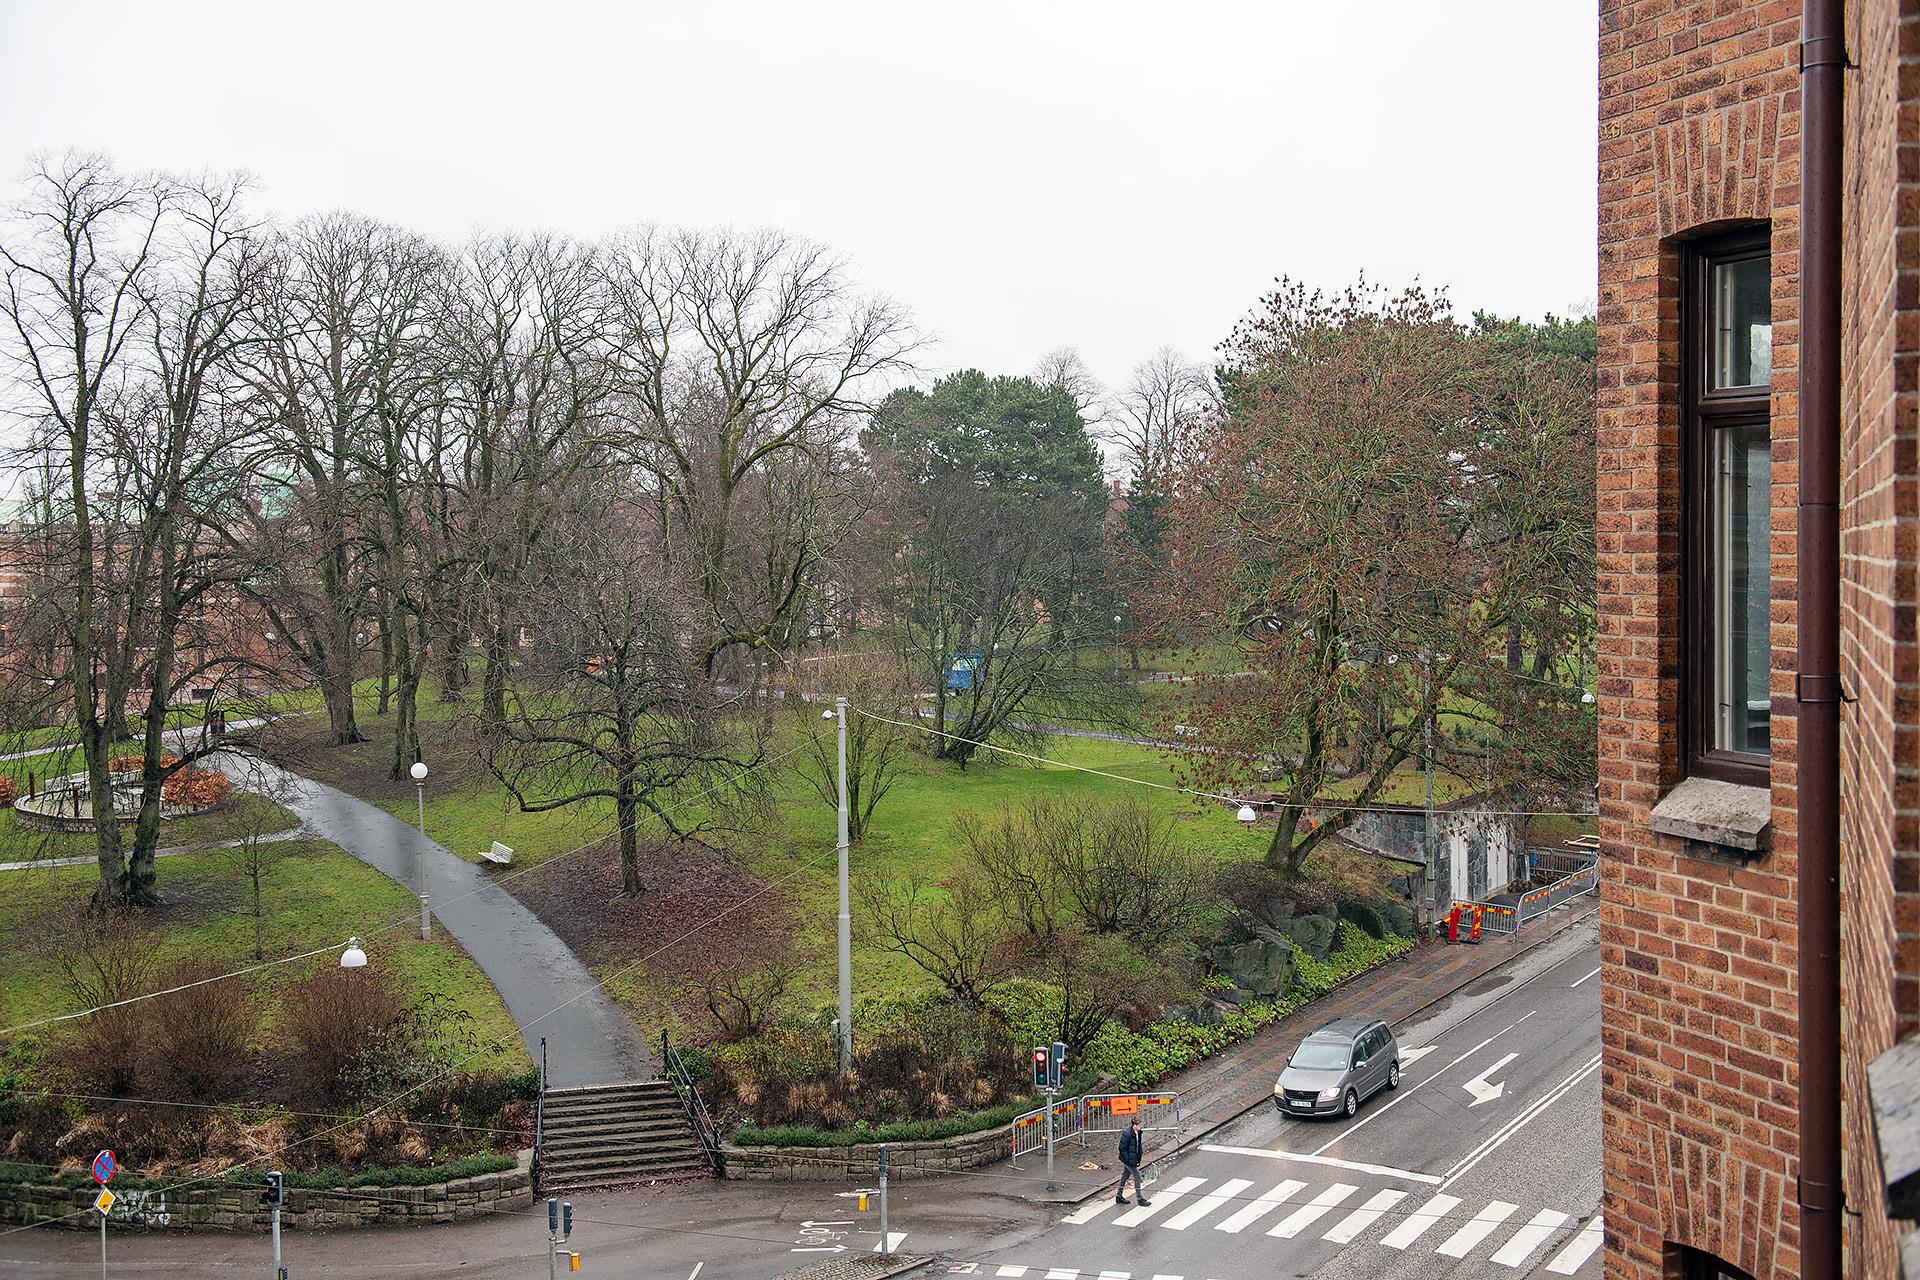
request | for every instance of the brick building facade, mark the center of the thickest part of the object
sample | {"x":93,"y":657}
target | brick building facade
{"x":1700,"y":197}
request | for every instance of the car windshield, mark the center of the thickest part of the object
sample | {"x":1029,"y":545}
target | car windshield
{"x":1320,"y":1055}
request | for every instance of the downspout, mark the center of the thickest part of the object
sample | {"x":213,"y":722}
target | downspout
{"x":1817,"y":681}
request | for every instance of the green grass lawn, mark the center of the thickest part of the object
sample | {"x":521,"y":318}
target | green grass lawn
{"x":315,"y":895}
{"x":244,"y":813}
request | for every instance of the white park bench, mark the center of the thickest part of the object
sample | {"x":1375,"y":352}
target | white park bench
{"x":499,"y":853}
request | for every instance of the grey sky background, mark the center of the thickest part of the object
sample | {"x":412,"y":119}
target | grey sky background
{"x":1109,"y":176}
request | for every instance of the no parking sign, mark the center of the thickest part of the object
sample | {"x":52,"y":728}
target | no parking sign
{"x":103,"y":1167}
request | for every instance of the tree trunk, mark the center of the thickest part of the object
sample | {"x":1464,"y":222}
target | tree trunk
{"x":627,"y":812}
{"x":493,"y":677}
{"x":386,"y":660}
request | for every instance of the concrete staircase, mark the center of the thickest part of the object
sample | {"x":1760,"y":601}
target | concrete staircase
{"x":605,"y":1135}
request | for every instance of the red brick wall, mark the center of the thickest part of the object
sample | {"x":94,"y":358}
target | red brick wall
{"x":1880,"y":1000}
{"x":1699,"y":126}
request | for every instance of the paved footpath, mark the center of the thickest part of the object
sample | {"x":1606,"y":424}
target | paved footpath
{"x":548,"y":992}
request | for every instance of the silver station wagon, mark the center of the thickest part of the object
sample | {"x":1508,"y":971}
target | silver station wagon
{"x":1337,"y":1068}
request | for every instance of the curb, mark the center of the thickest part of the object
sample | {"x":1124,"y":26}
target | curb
{"x":1187,"y":1140}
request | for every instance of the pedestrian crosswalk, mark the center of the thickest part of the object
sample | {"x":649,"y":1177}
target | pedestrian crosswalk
{"x":1452,"y":1228}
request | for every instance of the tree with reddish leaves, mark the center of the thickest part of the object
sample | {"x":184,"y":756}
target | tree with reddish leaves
{"x":1384,"y":500}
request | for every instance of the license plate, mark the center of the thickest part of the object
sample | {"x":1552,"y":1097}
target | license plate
{"x":1304,"y":1106}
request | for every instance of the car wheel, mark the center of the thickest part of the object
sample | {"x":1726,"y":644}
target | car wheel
{"x":1353,"y":1103}
{"x":1393,"y":1076}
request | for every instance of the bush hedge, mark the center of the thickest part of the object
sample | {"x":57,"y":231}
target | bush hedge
{"x":1138,"y":1058}
{"x":953,"y":1126}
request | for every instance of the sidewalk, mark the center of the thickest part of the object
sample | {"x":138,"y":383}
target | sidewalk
{"x":1232,"y":1082}
{"x":547,"y":990}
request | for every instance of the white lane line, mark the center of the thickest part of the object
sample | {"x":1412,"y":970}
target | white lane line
{"x":1312,"y":1211}
{"x":1579,"y":1249}
{"x":696,"y":1271}
{"x":893,"y":1244}
{"x":1363,"y":1217}
{"x":1011,"y":1273}
{"x":1206,"y":1204}
{"x":1416,"y":1223}
{"x":1527,"y":1116}
{"x":1409,"y":1090}
{"x":1169,"y":1278}
{"x":1161,"y":1199}
{"x":1478,"y":1228}
{"x":1061,"y":1273}
{"x":1116,"y":1275}
{"x":1528,"y":1238}
{"x":1578,"y":981}
{"x":1267,"y":1203}
{"x":1383,"y":1170}
{"x":1088,"y":1212}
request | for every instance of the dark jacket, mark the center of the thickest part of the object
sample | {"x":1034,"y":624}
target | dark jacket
{"x":1130,"y":1148}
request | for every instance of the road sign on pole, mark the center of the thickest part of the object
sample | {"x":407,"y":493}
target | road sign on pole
{"x":103,"y":1167}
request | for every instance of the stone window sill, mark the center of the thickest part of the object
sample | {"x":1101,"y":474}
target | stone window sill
{"x":1733,"y":819}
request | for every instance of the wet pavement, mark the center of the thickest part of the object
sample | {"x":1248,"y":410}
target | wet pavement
{"x":547,"y":991}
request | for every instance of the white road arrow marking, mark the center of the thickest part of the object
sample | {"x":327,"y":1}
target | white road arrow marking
{"x":1481,"y":1090}
{"x":837,"y":1248}
{"x":1410,"y":1056}
{"x":809,"y":1222}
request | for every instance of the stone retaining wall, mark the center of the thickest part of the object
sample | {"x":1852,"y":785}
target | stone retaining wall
{"x":238,"y":1208}
{"x":860,"y":1164}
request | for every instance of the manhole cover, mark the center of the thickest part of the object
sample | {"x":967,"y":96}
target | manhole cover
{"x":1484,"y":985}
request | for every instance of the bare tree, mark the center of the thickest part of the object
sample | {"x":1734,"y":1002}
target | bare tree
{"x":950,"y":931}
{"x":530,"y":378}
{"x":1062,"y":367}
{"x":876,"y":747}
{"x":742,"y":356}
{"x":614,"y":706}
{"x":76,"y":255}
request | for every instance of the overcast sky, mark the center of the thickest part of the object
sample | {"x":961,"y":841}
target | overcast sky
{"x":1108,"y":176}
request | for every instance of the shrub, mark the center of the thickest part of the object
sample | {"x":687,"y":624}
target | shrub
{"x":194,"y":788}
{"x":110,"y":959}
{"x":335,"y":1021}
{"x":198,"y":1039}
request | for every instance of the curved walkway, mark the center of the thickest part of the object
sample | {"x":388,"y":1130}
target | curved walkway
{"x":548,"y":992}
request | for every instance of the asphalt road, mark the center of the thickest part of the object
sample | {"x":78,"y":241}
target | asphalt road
{"x":1424,"y":1182}
{"x":1485,"y":1162}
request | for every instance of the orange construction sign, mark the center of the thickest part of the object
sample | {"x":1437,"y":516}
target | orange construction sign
{"x":1126,"y":1106}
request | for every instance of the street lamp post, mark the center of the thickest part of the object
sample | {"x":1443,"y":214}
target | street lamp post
{"x":419,"y":772}
{"x":839,"y":713}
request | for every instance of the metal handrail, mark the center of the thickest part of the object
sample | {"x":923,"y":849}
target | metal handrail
{"x":697,"y":1114}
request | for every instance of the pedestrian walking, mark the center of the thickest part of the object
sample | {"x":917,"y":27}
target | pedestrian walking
{"x":1130,"y":1164}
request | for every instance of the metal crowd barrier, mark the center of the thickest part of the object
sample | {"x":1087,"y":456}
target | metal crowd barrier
{"x":1541,"y":901}
{"x":1112,"y":1112}
{"x":1096,"y":1113}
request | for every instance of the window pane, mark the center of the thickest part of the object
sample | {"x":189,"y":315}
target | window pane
{"x":1742,"y":324}
{"x":1741,"y":510}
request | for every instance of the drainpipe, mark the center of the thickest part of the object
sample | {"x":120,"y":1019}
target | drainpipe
{"x":1817,"y":682}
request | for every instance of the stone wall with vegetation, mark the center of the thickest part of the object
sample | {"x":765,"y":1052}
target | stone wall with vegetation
{"x":860,"y":1162}
{"x":237,"y":1207}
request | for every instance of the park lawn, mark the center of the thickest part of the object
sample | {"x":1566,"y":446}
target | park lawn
{"x":243,"y":814}
{"x":316,"y":895}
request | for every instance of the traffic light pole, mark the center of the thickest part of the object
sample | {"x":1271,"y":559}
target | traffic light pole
{"x":279,"y":1272}
{"x":1051,"y":1094}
